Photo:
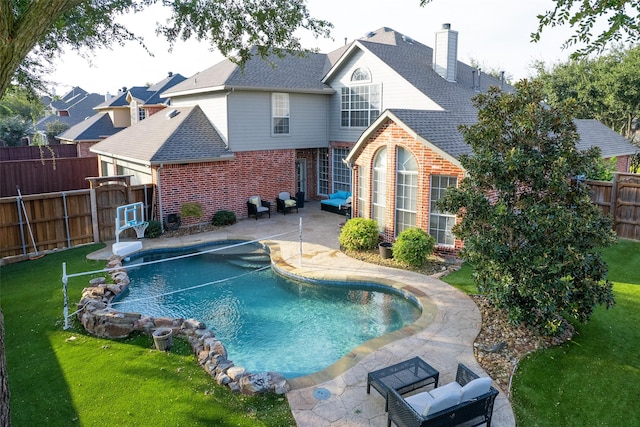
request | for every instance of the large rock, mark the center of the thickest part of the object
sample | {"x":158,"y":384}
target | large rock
{"x":255,"y":383}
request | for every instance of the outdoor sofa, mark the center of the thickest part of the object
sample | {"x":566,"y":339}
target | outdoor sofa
{"x":469,"y":399}
{"x":337,"y":202}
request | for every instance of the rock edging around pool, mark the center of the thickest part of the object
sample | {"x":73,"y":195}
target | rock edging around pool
{"x":101,"y":320}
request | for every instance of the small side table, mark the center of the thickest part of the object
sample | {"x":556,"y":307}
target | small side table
{"x":404,"y":377}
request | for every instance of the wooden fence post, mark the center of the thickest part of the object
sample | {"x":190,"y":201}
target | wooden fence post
{"x":614,"y":200}
{"x":94,"y":215}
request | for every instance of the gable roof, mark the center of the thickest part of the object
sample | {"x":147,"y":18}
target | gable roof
{"x":439,"y":129}
{"x":594,"y":133}
{"x":182,"y":135}
{"x":95,"y":128}
{"x":292,"y":73}
{"x":150,"y":95}
{"x":80,"y":109}
{"x":413,"y":61}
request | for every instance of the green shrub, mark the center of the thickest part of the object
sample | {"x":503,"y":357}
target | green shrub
{"x":413,"y":246}
{"x":191,"y":209}
{"x":224,"y":218}
{"x":153,"y":230}
{"x":359,"y":234}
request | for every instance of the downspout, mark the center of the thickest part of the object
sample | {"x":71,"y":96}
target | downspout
{"x":160,"y":198}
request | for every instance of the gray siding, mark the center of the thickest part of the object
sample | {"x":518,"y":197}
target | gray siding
{"x":214,"y":106}
{"x":250,"y":122}
{"x":396,"y":92}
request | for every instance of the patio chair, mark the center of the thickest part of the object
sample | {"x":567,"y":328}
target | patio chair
{"x":285,"y":202}
{"x":256,"y":206}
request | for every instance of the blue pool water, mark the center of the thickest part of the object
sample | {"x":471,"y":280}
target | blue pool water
{"x":266,"y":322}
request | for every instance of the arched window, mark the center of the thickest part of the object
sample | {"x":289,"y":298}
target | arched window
{"x":379,"y":178}
{"x":361,"y":75}
{"x":360,"y":103}
{"x":406,"y":190}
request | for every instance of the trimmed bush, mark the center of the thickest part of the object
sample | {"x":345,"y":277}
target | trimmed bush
{"x":359,"y":234}
{"x":413,"y":246}
{"x":224,"y":218}
{"x":154,"y":229}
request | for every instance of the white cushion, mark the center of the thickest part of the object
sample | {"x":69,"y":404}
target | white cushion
{"x":445,"y":401}
{"x":255,"y":200}
{"x":289,"y":202}
{"x":262,"y":209}
{"x":284,"y":196}
{"x":419,"y":401}
{"x":475,"y":388}
{"x":445,"y":389}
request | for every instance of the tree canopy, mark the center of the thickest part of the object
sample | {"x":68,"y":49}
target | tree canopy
{"x":620,"y":20}
{"x":33,"y":32}
{"x":606,"y":88}
{"x":530,"y":230}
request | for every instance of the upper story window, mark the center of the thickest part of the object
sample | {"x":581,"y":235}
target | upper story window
{"x":280,"y":113}
{"x":360,"y":103}
{"x":361,"y":75}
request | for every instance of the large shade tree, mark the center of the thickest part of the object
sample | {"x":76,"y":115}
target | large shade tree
{"x":33,"y":32}
{"x":616,"y":20}
{"x":606,"y":87}
{"x":529,"y":228}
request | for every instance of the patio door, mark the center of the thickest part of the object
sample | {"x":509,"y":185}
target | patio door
{"x":301,"y":175}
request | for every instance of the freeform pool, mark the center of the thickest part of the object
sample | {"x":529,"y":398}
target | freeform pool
{"x":267,"y":322}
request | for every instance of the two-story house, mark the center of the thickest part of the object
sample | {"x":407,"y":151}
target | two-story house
{"x":291,"y":124}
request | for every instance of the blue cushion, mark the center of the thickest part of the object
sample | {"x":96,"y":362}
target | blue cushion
{"x":333,"y":196}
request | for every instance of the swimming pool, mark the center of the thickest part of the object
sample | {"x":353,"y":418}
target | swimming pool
{"x":267,"y":322}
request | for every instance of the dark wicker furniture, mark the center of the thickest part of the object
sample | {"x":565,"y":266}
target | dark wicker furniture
{"x":285,"y":203}
{"x":403,"y":377}
{"x":263,"y":207}
{"x":472,"y":413}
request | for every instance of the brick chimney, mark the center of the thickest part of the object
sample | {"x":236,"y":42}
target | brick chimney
{"x":445,"y":53}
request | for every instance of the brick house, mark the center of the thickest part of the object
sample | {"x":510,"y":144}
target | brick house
{"x":313,"y":123}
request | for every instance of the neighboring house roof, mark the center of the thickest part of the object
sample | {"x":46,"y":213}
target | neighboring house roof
{"x":290,"y":73}
{"x":79,"y":110}
{"x":150,"y":95}
{"x":595,"y":134}
{"x":181,"y":135}
{"x":95,"y":128}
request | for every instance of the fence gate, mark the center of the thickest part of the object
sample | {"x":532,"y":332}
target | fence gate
{"x":626,"y":211}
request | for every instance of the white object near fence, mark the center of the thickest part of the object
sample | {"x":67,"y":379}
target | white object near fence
{"x":129,"y":216}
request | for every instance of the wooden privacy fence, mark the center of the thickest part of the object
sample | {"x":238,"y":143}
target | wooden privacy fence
{"x":66,"y":219}
{"x":620,"y":199}
{"x":46,"y":176}
{"x":36,"y":153}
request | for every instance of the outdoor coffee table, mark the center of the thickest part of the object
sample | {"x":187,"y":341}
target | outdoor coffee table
{"x":403,"y":377}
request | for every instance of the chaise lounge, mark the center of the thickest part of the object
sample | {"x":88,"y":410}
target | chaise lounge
{"x":469,"y":399}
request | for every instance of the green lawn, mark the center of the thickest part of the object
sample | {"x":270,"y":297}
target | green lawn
{"x":66,"y":378}
{"x":595,"y":378}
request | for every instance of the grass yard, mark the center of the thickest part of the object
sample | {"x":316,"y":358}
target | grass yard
{"x":66,"y":378}
{"x":594,"y":379}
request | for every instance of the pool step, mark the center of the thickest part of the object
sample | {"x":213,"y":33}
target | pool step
{"x":252,"y":261}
